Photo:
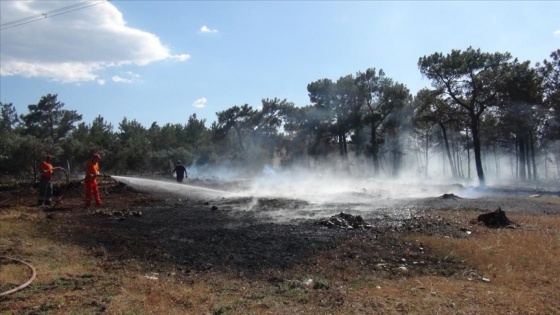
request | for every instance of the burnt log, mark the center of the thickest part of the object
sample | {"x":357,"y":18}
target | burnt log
{"x":450,"y":196}
{"x":345,"y":220}
{"x":495,"y":219}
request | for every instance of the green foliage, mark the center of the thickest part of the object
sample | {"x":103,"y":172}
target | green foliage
{"x":160,"y":162}
{"x":21,"y":155}
{"x":195,"y":132}
{"x":550,"y":73}
{"x":206,"y":157}
{"x":379,"y":97}
{"x":469,"y":79}
{"x":183,"y":155}
{"x":9,"y":119}
{"x":251,"y":130}
{"x":501,"y":102}
{"x":238,"y":119}
{"x":47,"y":119}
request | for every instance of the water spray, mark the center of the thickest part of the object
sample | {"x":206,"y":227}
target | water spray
{"x":172,"y":187}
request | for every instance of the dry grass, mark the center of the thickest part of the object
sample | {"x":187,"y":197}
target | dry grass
{"x":521,"y":265}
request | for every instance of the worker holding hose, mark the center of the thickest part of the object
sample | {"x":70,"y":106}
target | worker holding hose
{"x":45,"y":183}
{"x":90,"y":181}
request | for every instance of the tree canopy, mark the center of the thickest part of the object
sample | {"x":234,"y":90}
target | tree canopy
{"x":501,"y":110}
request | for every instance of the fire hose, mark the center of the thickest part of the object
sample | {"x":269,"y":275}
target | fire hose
{"x":71,"y":187}
{"x":60,"y":168}
{"x":28,"y":282}
{"x":66,"y":173}
{"x":68,"y":188}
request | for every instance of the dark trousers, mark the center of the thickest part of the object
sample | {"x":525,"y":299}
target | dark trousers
{"x":45,"y":191}
{"x":179,"y":179}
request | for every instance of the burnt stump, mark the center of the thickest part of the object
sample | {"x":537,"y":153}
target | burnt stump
{"x":495,"y":219}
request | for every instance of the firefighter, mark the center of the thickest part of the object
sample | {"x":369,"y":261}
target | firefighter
{"x":180,"y":170}
{"x":90,"y":180}
{"x":45,"y":183}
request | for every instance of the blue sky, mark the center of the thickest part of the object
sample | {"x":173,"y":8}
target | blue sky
{"x":162,"y":61}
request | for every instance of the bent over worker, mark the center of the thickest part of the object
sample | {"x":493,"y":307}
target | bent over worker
{"x":45,"y":183}
{"x":92,"y":171}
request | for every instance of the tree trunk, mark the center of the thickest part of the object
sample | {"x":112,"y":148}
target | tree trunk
{"x":397,"y":156}
{"x":468,"y":154}
{"x":528,"y":159}
{"x":546,"y":162}
{"x":522,"y":163}
{"x":341,"y":144}
{"x":484,"y":158}
{"x":345,"y":155}
{"x":558,"y":166}
{"x":454,"y":169}
{"x":345,"y":147}
{"x":374,"y":151}
{"x":426,"y":154}
{"x":446,"y":142}
{"x":460,"y":170}
{"x":239,"y":139}
{"x":444,"y":170}
{"x":457,"y":157}
{"x":476,"y":148}
{"x":516,"y":159}
{"x":496,"y":160}
{"x":358,"y":144}
{"x":533,"y":158}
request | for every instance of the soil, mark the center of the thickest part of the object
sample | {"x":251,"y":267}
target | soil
{"x":167,"y":232}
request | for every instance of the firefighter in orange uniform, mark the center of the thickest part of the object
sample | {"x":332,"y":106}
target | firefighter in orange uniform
{"x":45,"y":183}
{"x":92,"y":171}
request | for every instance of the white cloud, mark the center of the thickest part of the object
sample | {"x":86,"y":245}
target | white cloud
{"x":200,"y":103}
{"x":74,"y":47}
{"x":181,"y":57}
{"x":557,"y":32}
{"x":119,"y":79}
{"x":205,"y":29}
{"x":130,"y":78}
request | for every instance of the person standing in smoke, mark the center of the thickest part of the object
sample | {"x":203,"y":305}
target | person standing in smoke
{"x":181,"y":172}
{"x":92,"y":171}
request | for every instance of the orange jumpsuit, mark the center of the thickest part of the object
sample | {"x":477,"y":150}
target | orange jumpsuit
{"x":45,"y":183}
{"x":92,"y":170}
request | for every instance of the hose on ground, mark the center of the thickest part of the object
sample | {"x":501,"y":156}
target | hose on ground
{"x":33,"y":276}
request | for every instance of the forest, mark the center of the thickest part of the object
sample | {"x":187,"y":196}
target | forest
{"x":486,"y":117}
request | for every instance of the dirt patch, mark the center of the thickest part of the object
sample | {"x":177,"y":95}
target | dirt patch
{"x":170,"y":232}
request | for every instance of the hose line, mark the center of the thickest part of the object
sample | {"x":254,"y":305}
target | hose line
{"x":33,"y":276}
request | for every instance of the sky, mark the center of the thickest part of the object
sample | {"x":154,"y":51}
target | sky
{"x":163,"y":61}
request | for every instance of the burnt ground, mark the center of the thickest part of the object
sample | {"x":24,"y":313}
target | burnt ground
{"x":167,"y":232}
